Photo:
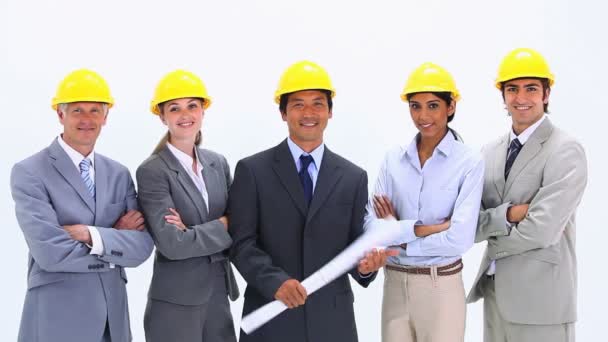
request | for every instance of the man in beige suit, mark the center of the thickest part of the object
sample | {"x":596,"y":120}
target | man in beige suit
{"x":534,"y":180}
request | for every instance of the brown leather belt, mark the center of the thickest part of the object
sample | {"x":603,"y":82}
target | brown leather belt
{"x":446,"y":270}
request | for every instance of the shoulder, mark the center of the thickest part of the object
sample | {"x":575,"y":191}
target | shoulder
{"x":111,"y":163}
{"x":260,"y":158}
{"x":468,"y":154}
{"x":212,"y":156}
{"x":345,"y":164}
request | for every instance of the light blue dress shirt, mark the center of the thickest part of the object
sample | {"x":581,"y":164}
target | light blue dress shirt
{"x":449,"y":186}
{"x":314,"y":167}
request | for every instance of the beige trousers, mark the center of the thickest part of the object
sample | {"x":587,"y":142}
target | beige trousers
{"x":497,"y":329}
{"x":423,"y":308}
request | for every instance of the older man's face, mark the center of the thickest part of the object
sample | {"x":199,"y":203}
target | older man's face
{"x":82,"y":122}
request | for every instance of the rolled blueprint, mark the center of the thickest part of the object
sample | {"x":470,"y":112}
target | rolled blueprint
{"x":385,"y":233}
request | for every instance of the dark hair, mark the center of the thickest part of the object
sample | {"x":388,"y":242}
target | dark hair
{"x":446,"y":96}
{"x":543,"y":81}
{"x":285,"y":98}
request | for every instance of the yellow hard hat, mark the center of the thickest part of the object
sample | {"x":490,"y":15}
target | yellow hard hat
{"x":179,"y":84}
{"x":303,"y":75}
{"x":521,"y":63}
{"x":82,"y":86}
{"x":428,"y":78}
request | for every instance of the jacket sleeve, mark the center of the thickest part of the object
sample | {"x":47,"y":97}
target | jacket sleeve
{"x":357,"y":221}
{"x":49,"y":244}
{"x":254,"y":264}
{"x":155,"y":199}
{"x":564,"y":181}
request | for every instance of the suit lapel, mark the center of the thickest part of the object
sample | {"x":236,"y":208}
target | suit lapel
{"x":101,"y":185}
{"x":210,"y":174}
{"x":500,"y":159}
{"x":62,"y":163}
{"x":529,"y":151}
{"x":184,"y":179}
{"x":285,"y":168}
{"x":328,"y":177}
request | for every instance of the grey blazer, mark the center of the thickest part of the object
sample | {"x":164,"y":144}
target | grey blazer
{"x":535,"y":277}
{"x":71,"y":294}
{"x":182,"y":263}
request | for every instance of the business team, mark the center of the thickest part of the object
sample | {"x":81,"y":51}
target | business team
{"x":292,"y":208}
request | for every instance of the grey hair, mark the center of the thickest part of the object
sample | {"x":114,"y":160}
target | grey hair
{"x":63,"y":107}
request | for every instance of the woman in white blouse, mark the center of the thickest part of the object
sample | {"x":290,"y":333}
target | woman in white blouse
{"x":183,"y":191}
{"x":432,"y":188}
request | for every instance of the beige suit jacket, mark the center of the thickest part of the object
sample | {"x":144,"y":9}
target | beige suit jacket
{"x":536,"y":259}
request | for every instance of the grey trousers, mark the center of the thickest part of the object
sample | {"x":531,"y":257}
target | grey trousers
{"x":210,"y":322}
{"x":497,"y":329}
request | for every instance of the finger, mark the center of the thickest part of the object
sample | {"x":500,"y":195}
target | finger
{"x":129,"y":214}
{"x":139,"y":221}
{"x":171,"y":217}
{"x":136,"y":215}
{"x":174,"y":212}
{"x":380,"y":206}
{"x":302,"y":291}
{"x":141,"y":227}
{"x":392,"y":252}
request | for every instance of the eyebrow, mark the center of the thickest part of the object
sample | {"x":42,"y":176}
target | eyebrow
{"x":524,"y":86}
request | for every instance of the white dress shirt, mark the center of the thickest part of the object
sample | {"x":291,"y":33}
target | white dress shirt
{"x":317,"y":158}
{"x":449,"y":186}
{"x":523,"y":138}
{"x":197,"y":177}
{"x":75,"y":156}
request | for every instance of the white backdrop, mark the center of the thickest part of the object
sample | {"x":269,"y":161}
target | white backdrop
{"x":240,"y":48}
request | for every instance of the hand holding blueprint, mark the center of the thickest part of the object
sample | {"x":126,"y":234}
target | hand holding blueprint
{"x":386,"y":233}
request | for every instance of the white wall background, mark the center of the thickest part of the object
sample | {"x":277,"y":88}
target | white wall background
{"x":240,"y":48}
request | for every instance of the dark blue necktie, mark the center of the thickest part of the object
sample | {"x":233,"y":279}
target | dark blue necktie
{"x":514,"y":149}
{"x":305,"y":177}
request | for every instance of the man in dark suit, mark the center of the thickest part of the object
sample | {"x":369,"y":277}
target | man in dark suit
{"x":293,"y":208}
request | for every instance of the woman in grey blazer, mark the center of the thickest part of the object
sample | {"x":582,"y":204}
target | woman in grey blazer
{"x":183,"y":191}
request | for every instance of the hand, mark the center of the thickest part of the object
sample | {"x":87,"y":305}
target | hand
{"x":375,"y":259}
{"x":291,"y":293}
{"x":131,"y":220}
{"x":517,"y":213}
{"x":383,"y":207}
{"x":175,"y":219}
{"x":426,"y":230}
{"x":224,"y":220}
{"x":79,"y":232}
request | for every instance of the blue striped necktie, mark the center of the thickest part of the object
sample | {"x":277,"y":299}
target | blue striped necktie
{"x":85,"y":167}
{"x":514,"y":149}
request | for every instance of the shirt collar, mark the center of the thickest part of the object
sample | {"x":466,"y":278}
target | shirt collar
{"x":445,"y":145}
{"x":296,"y":152}
{"x":75,"y":156}
{"x":184,"y":158}
{"x":525,"y":135}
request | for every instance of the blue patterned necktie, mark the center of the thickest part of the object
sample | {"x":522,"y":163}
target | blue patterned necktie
{"x":85,"y":167}
{"x":305,"y":177}
{"x":514,"y":149}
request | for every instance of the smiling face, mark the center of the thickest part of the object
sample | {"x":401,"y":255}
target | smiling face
{"x":82,"y":122}
{"x":525,"y":100}
{"x":183,"y":117}
{"x":430,"y":114}
{"x":306,"y":114}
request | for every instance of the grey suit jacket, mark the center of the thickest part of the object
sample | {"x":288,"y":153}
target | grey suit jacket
{"x":535,"y":277}
{"x":71,"y":294}
{"x":278,"y":236}
{"x":183,"y":259}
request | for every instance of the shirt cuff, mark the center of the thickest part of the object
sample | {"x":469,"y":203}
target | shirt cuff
{"x":407,"y":227}
{"x":97,"y":242}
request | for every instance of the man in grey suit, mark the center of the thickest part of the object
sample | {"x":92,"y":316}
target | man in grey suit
{"x":534,"y":181}
{"x":78,"y":213}
{"x":292,"y":209}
